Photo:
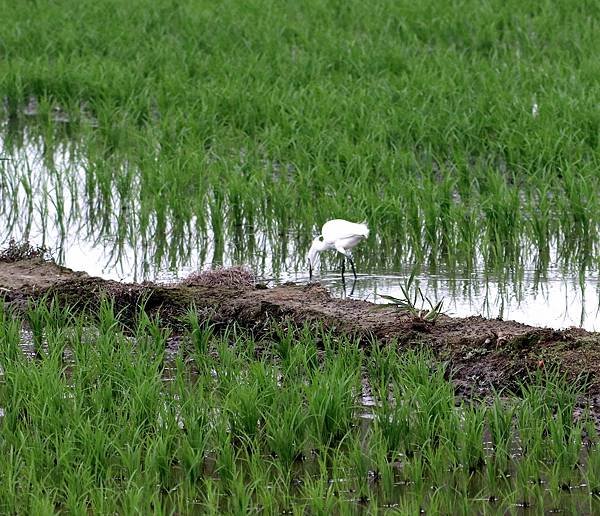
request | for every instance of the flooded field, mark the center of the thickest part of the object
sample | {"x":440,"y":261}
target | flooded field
{"x":146,"y":141}
{"x":58,"y":209}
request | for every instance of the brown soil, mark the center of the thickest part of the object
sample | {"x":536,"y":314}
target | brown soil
{"x":482,"y":354}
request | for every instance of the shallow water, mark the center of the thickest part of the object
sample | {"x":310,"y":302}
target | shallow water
{"x":558,"y":300}
{"x":47,"y":198}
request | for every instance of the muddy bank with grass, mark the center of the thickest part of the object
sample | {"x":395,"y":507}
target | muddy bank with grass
{"x":482,"y":354}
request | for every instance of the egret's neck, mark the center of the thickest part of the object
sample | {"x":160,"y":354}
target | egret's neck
{"x":317,"y":246}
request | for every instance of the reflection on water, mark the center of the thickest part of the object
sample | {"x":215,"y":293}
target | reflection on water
{"x":52,"y":196}
{"x":556,"y":301}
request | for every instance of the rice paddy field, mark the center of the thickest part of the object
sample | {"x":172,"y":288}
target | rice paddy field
{"x":100,"y":418}
{"x":148,"y":139}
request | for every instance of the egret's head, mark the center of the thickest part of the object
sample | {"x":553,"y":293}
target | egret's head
{"x":364,"y":229}
{"x":313,"y":253}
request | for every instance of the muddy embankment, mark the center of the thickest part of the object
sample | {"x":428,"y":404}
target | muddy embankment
{"x":482,"y":354}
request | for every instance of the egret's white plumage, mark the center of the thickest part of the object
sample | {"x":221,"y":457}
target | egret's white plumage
{"x":340,"y":235}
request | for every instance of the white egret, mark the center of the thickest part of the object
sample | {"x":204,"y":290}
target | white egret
{"x":340,"y":235}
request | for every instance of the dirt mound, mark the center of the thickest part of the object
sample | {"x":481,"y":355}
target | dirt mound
{"x":482,"y":354}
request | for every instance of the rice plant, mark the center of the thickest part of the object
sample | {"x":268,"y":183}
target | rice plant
{"x":93,"y":423}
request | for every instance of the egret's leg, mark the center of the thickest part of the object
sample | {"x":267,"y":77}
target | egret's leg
{"x":309,"y":271}
{"x":344,"y":254}
{"x":352,"y":290}
{"x":353,"y":269}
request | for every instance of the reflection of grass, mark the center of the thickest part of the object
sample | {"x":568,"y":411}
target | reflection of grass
{"x":105,"y":421}
{"x":264,"y":118}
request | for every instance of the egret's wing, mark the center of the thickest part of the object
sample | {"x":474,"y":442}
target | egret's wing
{"x":340,"y":229}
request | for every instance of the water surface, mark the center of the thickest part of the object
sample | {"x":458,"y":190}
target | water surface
{"x":52,"y":197}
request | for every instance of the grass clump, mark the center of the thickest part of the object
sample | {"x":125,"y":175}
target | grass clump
{"x":240,"y":277}
{"x":413,"y":302}
{"x":16,"y":251}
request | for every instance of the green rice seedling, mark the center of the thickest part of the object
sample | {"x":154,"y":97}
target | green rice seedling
{"x":130,"y":455}
{"x":201,"y":333}
{"x":393,"y":422}
{"x":425,"y":411}
{"x":435,"y":421}
{"x":137,"y":499}
{"x":410,"y":505}
{"x":592,"y":470}
{"x":272,"y":497}
{"x":295,"y":368}
{"x":532,"y":422}
{"x":589,"y":428}
{"x":227,"y":365}
{"x":495,"y":478}
{"x":383,"y":471}
{"x":437,"y":466}
{"x":331,"y":401}
{"x":244,"y":411}
{"x":55,"y":315}
{"x":359,"y":463}
{"x":302,"y":357}
{"x":36,"y":319}
{"x":319,"y":495}
{"x":108,"y":322}
{"x":442,"y":498}
{"x":550,"y":387}
{"x":240,"y":493}
{"x":103,"y":500}
{"x":284,"y":341}
{"x":245,"y":346}
{"x":99,"y":450}
{"x":150,"y":335}
{"x":500,"y":422}
{"x":470,"y":450}
{"x":328,"y":490}
{"x":414,"y":472}
{"x":226,"y":466}
{"x":565,"y":443}
{"x":285,"y":426}
{"x":559,"y":482}
{"x":211,"y":497}
{"x":57,"y":342}
{"x":12,"y":471}
{"x":142,"y":396}
{"x":528,"y":472}
{"x":381,"y":365}
{"x":418,"y":368}
{"x":159,"y":458}
{"x":10,"y":335}
{"x":249,"y":400}
{"x":194,"y":417}
{"x":307,"y":343}
{"x":78,"y":484}
{"x":42,"y":502}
